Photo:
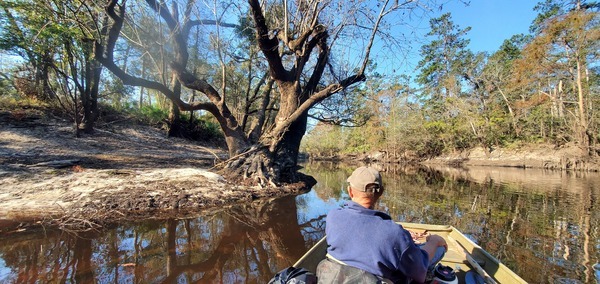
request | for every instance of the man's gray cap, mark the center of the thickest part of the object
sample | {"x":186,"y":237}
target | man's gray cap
{"x":364,"y":176}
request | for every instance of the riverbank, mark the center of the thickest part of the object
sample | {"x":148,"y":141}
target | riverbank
{"x":122,"y":171}
{"x":539,"y":156}
{"x":568,"y":157}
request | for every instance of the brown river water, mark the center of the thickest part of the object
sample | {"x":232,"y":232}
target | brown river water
{"x":545,"y":225}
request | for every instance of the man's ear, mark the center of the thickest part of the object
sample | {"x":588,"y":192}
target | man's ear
{"x":350,"y":193}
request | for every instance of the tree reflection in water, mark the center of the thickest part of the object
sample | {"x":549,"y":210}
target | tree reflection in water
{"x":542,"y":224}
{"x":247,"y":244}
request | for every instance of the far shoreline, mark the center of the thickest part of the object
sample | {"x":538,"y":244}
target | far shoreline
{"x":535,"y":156}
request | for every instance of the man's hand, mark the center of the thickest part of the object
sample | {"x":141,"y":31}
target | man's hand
{"x":419,"y":237}
{"x":432,"y":243}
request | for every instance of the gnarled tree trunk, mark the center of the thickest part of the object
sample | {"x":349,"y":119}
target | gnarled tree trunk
{"x":296,"y":60}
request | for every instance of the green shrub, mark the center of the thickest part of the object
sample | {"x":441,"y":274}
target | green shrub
{"x":150,"y":115}
{"x":202,"y":128}
{"x":16,"y":102}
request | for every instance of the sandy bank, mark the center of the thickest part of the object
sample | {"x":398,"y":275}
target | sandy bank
{"x":123,"y":170}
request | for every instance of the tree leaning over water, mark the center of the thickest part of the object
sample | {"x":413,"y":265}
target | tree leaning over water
{"x":293,"y":45}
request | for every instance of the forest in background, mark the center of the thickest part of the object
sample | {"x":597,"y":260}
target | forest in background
{"x":541,"y":87}
{"x":538,"y":87}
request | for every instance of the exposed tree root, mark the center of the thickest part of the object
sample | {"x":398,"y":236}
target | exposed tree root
{"x":253,"y":167}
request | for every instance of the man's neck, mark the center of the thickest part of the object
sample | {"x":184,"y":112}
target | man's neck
{"x":366,"y":203}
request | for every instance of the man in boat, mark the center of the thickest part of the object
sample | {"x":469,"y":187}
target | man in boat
{"x":360,"y":237}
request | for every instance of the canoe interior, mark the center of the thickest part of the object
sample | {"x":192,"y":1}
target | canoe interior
{"x":454,"y":258}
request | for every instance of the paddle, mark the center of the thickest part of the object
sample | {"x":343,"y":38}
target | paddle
{"x":488,"y":279}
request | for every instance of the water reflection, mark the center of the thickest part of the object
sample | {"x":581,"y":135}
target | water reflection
{"x":544,"y":221}
{"x":244,"y":244}
{"x":544,"y":225}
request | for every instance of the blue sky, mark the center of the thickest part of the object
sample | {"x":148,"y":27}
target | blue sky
{"x":492,"y":21}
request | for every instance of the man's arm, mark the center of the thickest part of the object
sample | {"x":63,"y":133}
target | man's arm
{"x":431,"y":245}
{"x":416,"y":259}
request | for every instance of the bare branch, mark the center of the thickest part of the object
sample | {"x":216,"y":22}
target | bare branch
{"x":382,"y":13}
{"x":268,"y":45}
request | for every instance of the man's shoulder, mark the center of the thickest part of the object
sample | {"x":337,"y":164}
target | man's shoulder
{"x":350,"y":211}
{"x":338,"y":213}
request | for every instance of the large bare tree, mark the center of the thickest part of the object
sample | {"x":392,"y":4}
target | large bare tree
{"x":295,"y":41}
